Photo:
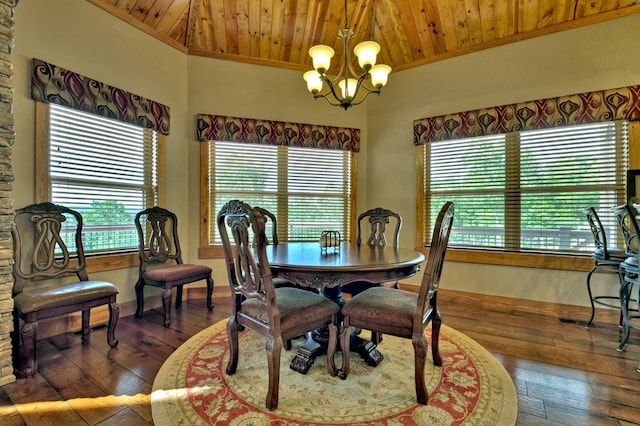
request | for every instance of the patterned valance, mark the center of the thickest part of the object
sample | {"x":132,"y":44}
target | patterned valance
{"x":52,"y":84}
{"x":591,"y":107}
{"x":268,"y":132}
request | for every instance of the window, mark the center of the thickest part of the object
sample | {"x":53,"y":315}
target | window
{"x":526,"y":191}
{"x":308,"y":189}
{"x":105,"y":169}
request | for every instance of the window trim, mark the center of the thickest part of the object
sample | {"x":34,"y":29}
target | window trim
{"x":97,"y":262}
{"x":211,"y":251}
{"x":578,"y":262}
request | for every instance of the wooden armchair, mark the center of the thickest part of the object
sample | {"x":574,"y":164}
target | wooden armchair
{"x":277,"y":314}
{"x":48,"y":250}
{"x":161,"y":262}
{"x":403,"y":313}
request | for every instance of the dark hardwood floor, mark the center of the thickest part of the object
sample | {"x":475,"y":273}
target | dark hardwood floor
{"x":564,"y":373}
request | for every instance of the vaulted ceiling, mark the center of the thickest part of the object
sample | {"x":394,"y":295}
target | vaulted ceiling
{"x":411,"y":32}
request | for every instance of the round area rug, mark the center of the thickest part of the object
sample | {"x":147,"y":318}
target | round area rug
{"x":192,"y":388}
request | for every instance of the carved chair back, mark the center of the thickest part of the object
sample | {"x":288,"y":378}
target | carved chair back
{"x":378,"y":219}
{"x":158,"y":241}
{"x":268,"y":216}
{"x":427,"y":299}
{"x":239,"y":225}
{"x":47,"y":244}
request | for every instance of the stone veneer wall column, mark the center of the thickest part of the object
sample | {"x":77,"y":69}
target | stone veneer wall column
{"x":7,"y":138}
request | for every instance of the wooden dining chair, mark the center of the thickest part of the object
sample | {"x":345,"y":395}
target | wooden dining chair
{"x":376,"y":235}
{"x":605,"y":259}
{"x":403,"y":313}
{"x":51,"y":278}
{"x":372,"y":225}
{"x":161,"y":262}
{"x":277,"y":314}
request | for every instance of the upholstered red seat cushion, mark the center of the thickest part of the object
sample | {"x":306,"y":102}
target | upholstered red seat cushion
{"x":40,"y":299}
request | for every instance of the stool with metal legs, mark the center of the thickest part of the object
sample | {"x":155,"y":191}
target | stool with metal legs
{"x":605,"y":260}
{"x":630,"y":317}
{"x":631,"y":278}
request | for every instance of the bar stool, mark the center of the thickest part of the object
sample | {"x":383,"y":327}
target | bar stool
{"x":627,"y":219}
{"x":605,"y":260}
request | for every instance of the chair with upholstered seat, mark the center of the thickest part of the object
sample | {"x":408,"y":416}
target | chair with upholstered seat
{"x":403,"y":313}
{"x":627,"y":219}
{"x":378,"y":220}
{"x":51,"y":278}
{"x":161,"y":262}
{"x":277,"y":314}
{"x":606,"y":259}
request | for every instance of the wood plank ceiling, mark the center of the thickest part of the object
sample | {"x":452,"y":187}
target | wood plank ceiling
{"x":411,"y":32}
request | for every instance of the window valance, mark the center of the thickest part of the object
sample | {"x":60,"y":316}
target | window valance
{"x":606,"y":105}
{"x":53,"y":84}
{"x":269,"y":132}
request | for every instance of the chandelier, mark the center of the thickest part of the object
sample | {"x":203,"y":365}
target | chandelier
{"x":347,"y":89}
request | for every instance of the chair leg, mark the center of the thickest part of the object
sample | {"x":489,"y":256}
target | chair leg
{"x":232,"y":334}
{"x":345,"y":341}
{"x":436,"y":322}
{"x":625,"y":293}
{"x":15,"y":338}
{"x":114,"y":314}
{"x":86,"y":328}
{"x":166,"y":306}
{"x":86,"y":320}
{"x":420,"y":355}
{"x":209,"y":293}
{"x":274,"y":349}
{"x":139,"y":298}
{"x":593,"y":306}
{"x":179,"y":296}
{"x":28,"y":335}
{"x":331,"y":349}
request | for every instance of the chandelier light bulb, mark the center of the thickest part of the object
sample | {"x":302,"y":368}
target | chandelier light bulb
{"x":380,"y":75}
{"x":321,"y":55}
{"x":366,"y":53}
{"x":314,"y":82}
{"x":348,"y":87}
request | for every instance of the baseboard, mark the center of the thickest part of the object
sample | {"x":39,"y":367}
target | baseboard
{"x":512,"y":305}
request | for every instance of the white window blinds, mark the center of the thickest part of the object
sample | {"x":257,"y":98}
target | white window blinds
{"x":307,"y":189}
{"x":104,"y":169}
{"x":526,"y":191}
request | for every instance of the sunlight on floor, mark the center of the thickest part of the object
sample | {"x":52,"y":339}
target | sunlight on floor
{"x":41,"y":407}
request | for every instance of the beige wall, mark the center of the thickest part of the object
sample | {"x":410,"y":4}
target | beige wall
{"x":79,"y":36}
{"x":600,"y":56}
{"x":241,"y":90}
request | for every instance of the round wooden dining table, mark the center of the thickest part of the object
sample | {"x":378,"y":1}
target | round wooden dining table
{"x":327,"y":269}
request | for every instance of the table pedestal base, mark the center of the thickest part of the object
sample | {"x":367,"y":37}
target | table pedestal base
{"x":316,"y":345}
